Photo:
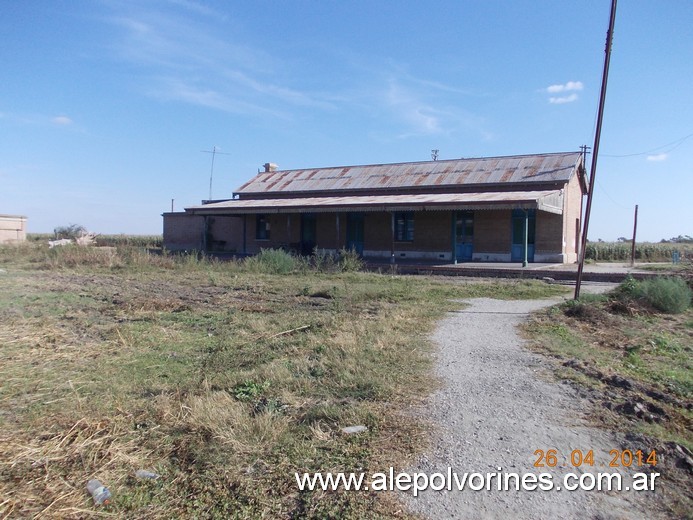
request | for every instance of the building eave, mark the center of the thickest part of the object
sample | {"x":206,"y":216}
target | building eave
{"x":543,"y":200}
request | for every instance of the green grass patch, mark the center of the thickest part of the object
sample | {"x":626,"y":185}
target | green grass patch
{"x":624,"y":335}
{"x":633,"y":362}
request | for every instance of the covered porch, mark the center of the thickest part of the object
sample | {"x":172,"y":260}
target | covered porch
{"x":450,"y":227}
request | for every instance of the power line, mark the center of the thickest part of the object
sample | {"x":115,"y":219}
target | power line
{"x":675,"y":144}
{"x":601,"y":188}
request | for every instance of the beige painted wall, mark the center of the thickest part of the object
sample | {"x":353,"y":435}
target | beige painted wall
{"x":12,"y":229}
{"x":572,"y":221}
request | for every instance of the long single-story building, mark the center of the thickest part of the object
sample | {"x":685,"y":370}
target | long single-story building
{"x":12,"y":229}
{"x":497,"y":209}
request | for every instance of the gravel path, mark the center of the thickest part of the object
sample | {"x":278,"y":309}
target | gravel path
{"x":496,"y":408}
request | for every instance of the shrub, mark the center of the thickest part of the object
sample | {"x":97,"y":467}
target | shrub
{"x":323,"y":261}
{"x":670,"y":295}
{"x":629,"y":288}
{"x":72,"y":231}
{"x":272,"y":261}
{"x":350,"y":261}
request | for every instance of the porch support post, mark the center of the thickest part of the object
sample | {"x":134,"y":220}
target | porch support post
{"x":337,"y":248}
{"x":205,"y":234}
{"x":245,"y":234}
{"x":454,"y":237}
{"x":392,"y":237}
{"x":524,"y":262}
{"x":288,"y":231}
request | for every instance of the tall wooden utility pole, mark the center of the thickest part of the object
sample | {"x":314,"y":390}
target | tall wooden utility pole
{"x":635,"y":230}
{"x":597,"y":135}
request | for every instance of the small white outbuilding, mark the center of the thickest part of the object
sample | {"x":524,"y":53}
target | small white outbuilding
{"x":12,"y":229}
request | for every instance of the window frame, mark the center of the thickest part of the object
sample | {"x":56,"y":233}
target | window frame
{"x":405,"y":233}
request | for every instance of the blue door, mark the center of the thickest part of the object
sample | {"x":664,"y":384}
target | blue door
{"x":354,"y":230}
{"x":464,"y":235}
{"x":517,"y":253}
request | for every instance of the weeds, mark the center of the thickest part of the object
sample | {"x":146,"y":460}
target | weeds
{"x":665,"y":294}
{"x":634,"y":358}
{"x":249,"y":390}
{"x":670,"y":295}
{"x":350,"y":261}
{"x":272,"y":261}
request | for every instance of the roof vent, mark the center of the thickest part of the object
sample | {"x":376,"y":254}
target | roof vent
{"x":270,"y":167}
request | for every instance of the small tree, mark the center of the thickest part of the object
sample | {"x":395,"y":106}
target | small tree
{"x":71,"y":231}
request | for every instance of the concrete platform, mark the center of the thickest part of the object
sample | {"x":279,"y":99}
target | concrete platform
{"x":601,"y":272}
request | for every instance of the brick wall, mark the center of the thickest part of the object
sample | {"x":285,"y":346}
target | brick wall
{"x":377,"y":231}
{"x":548,"y":234}
{"x":285,"y":231}
{"x":326,"y":230}
{"x":492,"y":231}
{"x":432,"y":232}
{"x":278,"y":233}
{"x":225,"y":234}
{"x":183,"y":231}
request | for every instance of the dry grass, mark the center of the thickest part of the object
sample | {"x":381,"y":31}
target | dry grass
{"x":222,"y":381}
{"x":54,"y":466}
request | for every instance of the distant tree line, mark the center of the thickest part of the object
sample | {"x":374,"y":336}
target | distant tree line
{"x":681,"y":239}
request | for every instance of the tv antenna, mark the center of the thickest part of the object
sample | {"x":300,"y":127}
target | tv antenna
{"x":214,"y":151}
{"x":434,"y":154}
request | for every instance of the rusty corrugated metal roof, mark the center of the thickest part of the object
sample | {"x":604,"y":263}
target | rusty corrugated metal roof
{"x":544,"y":200}
{"x":539,"y":168}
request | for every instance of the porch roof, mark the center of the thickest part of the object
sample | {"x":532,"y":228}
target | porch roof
{"x":550,"y":201}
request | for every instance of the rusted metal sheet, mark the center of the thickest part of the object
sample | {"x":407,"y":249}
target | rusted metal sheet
{"x":558,"y":167}
{"x":543,"y":200}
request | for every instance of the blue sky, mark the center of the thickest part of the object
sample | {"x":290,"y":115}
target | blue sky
{"x":106,"y":106}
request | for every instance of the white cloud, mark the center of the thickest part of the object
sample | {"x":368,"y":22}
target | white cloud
{"x":566,"y":87}
{"x":285,"y":94}
{"x":658,"y":157}
{"x":61,"y":120}
{"x":195,"y":94}
{"x":563,"y":99}
{"x":421,"y":118}
{"x":186,"y":59}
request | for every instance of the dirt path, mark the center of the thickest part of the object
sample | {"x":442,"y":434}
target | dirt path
{"x":496,"y":408}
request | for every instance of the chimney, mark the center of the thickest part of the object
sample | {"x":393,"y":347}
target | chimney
{"x":270,"y":167}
